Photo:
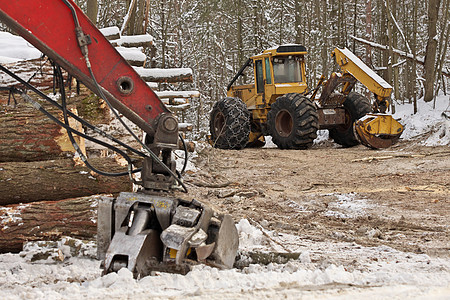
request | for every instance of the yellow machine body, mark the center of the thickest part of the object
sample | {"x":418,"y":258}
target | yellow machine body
{"x":282,"y":70}
{"x":272,"y":79}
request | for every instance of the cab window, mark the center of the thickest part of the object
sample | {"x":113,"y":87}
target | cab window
{"x":287,"y":69}
{"x":268,"y":73}
{"x":259,"y":76}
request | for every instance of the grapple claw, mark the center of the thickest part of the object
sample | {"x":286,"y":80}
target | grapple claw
{"x":146,"y":233}
{"x":377,"y":131}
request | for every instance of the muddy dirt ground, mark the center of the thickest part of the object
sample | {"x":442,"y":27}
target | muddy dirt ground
{"x":399,"y":197}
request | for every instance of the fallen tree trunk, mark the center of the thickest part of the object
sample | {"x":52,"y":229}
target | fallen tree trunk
{"x":24,"y":182}
{"x":28,"y":135}
{"x":47,"y":220}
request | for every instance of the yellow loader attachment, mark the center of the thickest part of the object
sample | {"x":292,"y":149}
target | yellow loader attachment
{"x":378,"y":130}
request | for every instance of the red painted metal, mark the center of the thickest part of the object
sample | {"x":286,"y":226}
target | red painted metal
{"x":49,"y":26}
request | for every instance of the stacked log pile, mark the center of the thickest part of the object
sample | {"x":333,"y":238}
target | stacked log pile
{"x":39,"y":176}
{"x":45,"y":191}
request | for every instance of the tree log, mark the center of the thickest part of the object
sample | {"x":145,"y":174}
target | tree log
{"x":24,"y":182}
{"x":47,"y":220}
{"x":40,"y":71}
{"x":141,"y":40}
{"x":165,"y":75}
{"x":28,"y":135}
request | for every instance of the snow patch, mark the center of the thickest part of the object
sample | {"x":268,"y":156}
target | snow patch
{"x":348,"y":206}
{"x":431,"y":126}
{"x":323,"y":269}
{"x":11,"y":215}
{"x":14,"y":48}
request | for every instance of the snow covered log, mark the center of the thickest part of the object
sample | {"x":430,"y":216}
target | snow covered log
{"x":185,"y":127}
{"x":111,"y":33}
{"x":165,"y":75}
{"x":178,"y":107}
{"x":134,"y":56}
{"x":29,"y":69}
{"x":47,"y":220}
{"x":24,"y":182}
{"x":178,"y":94}
{"x":142,"y":40}
{"x":28,"y":135}
{"x":177,"y":98}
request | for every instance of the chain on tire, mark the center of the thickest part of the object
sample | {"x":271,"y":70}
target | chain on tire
{"x":229,"y":124}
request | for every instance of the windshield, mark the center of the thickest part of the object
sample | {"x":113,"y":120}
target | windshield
{"x":287,"y":69}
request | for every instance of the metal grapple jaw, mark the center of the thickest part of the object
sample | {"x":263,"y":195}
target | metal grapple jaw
{"x":146,"y":233}
{"x":377,"y":131}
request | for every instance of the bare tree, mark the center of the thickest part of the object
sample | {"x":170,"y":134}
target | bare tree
{"x":430,"y":57}
{"x":92,"y":10}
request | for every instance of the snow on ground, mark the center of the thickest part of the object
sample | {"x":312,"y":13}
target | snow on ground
{"x":341,"y":270}
{"x":325,"y":270}
{"x":14,"y":48}
{"x":348,"y":206}
{"x":431,"y":125}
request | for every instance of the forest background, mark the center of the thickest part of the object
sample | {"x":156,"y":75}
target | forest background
{"x":404,"y":41}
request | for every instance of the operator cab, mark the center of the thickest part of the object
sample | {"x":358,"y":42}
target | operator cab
{"x":280,"y":70}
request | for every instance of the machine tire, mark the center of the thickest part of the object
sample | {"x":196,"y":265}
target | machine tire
{"x":356,"y":106}
{"x":229,"y":124}
{"x":293,"y":122}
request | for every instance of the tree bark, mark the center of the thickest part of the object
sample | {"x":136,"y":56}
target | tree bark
{"x":131,"y":6}
{"x":369,"y":34}
{"x":24,"y":182}
{"x":47,"y":220}
{"x":391,"y":76}
{"x":414,"y":53}
{"x":92,"y":10}
{"x":298,"y":22}
{"x":430,"y":56}
{"x":443,"y":44}
{"x":28,"y":135}
{"x":29,"y":70}
{"x":324,"y":34}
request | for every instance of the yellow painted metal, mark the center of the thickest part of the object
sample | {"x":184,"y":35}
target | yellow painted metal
{"x":291,"y":87}
{"x":374,"y":130}
{"x":380,"y":124}
{"x":259,"y":103}
{"x":173,"y":253}
{"x":350,"y":63}
{"x":254,"y":136}
{"x":378,"y":131}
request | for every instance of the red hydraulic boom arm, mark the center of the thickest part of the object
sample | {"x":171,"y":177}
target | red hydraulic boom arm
{"x":60,"y":30}
{"x":49,"y":26}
